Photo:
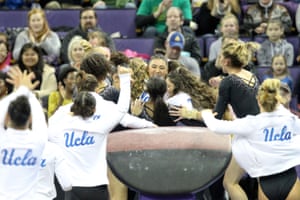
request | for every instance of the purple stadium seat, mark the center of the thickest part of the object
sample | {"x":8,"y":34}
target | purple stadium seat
{"x":208,"y":40}
{"x":294,"y":72}
{"x":201,"y":45}
{"x":140,"y":45}
{"x":111,"y":20}
{"x":294,"y":40}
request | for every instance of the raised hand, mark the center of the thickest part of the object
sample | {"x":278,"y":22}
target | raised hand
{"x":123,"y":70}
{"x":136,"y":107}
{"x":17,"y":78}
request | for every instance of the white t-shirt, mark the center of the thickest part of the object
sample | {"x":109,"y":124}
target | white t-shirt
{"x":21,"y":150}
{"x":53,"y":162}
{"x":83,"y":141}
{"x":181,"y":99}
{"x":265,"y":144}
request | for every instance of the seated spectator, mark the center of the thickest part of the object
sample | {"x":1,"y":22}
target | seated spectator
{"x":66,"y":86}
{"x":229,"y":29}
{"x":275,"y":44}
{"x":88,"y":22}
{"x":113,"y":4}
{"x":31,"y":59}
{"x":257,"y":16}
{"x":279,"y":70}
{"x":75,"y":52}
{"x":97,"y":38}
{"x":151,"y":15}
{"x":174,"y":22}
{"x":39,"y":33}
{"x":174,"y":46}
{"x":16,"y":5}
{"x":3,"y":37}
{"x":62,"y":4}
{"x":5,"y":56}
{"x":212,"y":11}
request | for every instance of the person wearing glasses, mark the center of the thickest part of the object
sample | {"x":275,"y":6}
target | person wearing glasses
{"x":88,"y":22}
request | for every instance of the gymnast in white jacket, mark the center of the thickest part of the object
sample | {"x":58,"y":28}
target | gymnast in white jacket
{"x":23,"y":134}
{"x":267,"y":145}
{"x":81,"y":130}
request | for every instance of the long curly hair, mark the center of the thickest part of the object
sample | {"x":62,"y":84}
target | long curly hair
{"x":139,"y":68}
{"x":203,"y":96}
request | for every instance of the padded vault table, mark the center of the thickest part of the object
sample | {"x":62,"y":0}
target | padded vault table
{"x":168,"y":162}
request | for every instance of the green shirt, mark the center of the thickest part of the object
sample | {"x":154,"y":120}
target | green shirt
{"x":148,"y":7}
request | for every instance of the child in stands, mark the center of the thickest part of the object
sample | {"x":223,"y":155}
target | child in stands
{"x":275,"y":44}
{"x":279,"y":70}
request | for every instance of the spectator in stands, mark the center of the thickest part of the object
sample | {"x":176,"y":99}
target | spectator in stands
{"x":229,"y":29}
{"x":76,"y":52}
{"x":212,"y":11}
{"x":39,"y":33}
{"x":88,"y":22}
{"x":5,"y":56}
{"x":62,"y":4}
{"x":113,"y":4}
{"x":3,"y":37}
{"x":64,"y":94}
{"x":31,"y":59}
{"x":279,"y":70}
{"x":5,"y":87}
{"x":174,"y":45}
{"x":97,"y":38}
{"x":258,"y":15}
{"x":16,"y":5}
{"x":151,"y":15}
{"x":174,"y":22}
{"x":275,"y":44}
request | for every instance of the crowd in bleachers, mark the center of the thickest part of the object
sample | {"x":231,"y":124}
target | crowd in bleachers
{"x":175,"y":51}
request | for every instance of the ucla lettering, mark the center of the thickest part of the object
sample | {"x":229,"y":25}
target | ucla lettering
{"x":72,"y":141}
{"x":10,"y":158}
{"x":43,"y":163}
{"x":96,"y":117}
{"x":271,"y":136}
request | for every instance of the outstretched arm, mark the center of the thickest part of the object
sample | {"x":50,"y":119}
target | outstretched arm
{"x":23,"y":85}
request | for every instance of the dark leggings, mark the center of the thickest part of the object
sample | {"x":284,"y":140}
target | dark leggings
{"x":88,"y":193}
{"x":278,"y":186}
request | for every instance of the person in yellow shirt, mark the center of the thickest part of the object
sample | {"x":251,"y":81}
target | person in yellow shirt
{"x":64,"y":94}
